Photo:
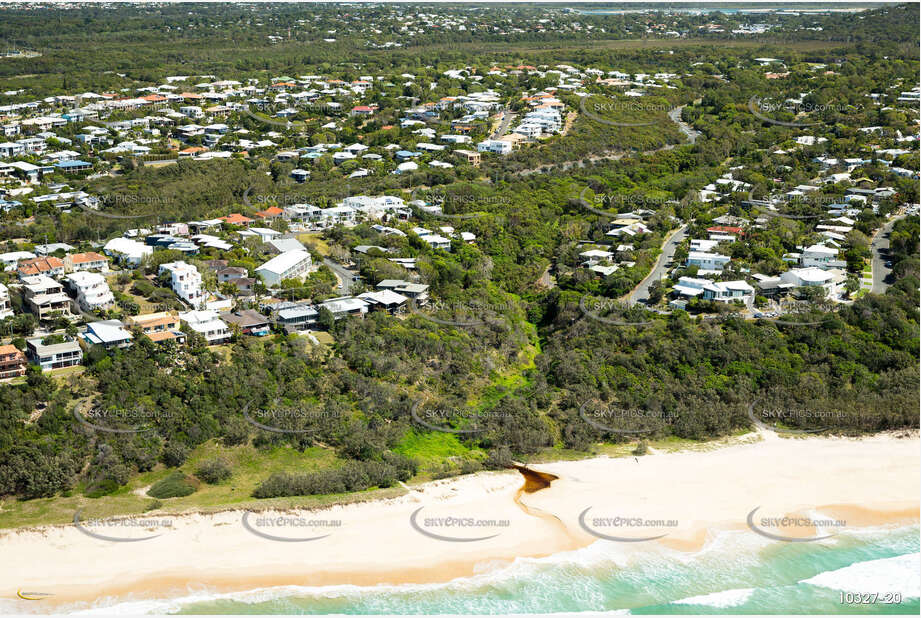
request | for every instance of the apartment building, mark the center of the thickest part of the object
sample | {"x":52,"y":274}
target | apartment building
{"x":288,"y":265}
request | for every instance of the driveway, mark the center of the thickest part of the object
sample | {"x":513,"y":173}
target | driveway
{"x":878,"y":247}
{"x":641,"y":292}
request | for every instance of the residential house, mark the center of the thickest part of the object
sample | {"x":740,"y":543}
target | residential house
{"x":729,"y":291}
{"x":77,"y":262}
{"x":91,"y":290}
{"x":707,"y":262}
{"x":162,"y":326}
{"x":54,"y":355}
{"x":185,"y":280}
{"x":130,"y":251}
{"x":6,"y":309}
{"x":12,"y":362}
{"x":295,"y":316}
{"x":107,"y":333}
{"x":282,"y":245}
{"x":50,"y":266}
{"x":831,"y":280}
{"x":207,"y":324}
{"x":691,"y":286}
{"x":250,"y":322}
{"x":495,"y":146}
{"x":345,"y":306}
{"x":384,"y":300}
{"x":45,"y":297}
{"x":230,"y":273}
{"x":414,"y":291}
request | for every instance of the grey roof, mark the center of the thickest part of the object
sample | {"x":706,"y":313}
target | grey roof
{"x":297,"y":312}
{"x":54,"y":348}
{"x":245,"y":318}
{"x":287,"y":244}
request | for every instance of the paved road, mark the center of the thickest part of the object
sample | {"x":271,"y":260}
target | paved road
{"x":691,"y":133}
{"x":878,"y":260}
{"x":345,"y":277}
{"x":507,"y":118}
{"x":641,"y":292}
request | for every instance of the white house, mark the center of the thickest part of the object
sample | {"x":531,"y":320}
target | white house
{"x":207,"y":324}
{"x":345,"y":307}
{"x":5,"y":307}
{"x":130,"y":251}
{"x":186,"y":282}
{"x":727,"y":291}
{"x":495,"y":146}
{"x":832,"y":280}
{"x":820,"y":256}
{"x":705,"y":261}
{"x":287,"y":265}
{"x":91,"y":289}
{"x":691,"y":286}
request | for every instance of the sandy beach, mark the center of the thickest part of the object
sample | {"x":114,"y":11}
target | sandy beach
{"x":458,"y":527}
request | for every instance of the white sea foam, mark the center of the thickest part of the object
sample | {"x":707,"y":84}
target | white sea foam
{"x":900,"y":574}
{"x":722,"y":599}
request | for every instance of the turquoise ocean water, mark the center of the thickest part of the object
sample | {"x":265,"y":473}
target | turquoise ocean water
{"x":735,"y":573}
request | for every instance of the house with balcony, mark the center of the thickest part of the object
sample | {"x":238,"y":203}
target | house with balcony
{"x":288,"y":265}
{"x":91,"y":260}
{"x":162,"y":326}
{"x":6,"y":308}
{"x":54,"y":355}
{"x":729,"y":291}
{"x":50,"y":266}
{"x":832,"y":280}
{"x":45,"y":297}
{"x":185,"y":280}
{"x":12,"y":362}
{"x":345,"y":306}
{"x":817,"y":256}
{"x":706,"y":262}
{"x":208,"y":325}
{"x":295,"y":316}
{"x":107,"y":333}
{"x":91,"y":290}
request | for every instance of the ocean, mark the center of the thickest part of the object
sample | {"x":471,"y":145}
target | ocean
{"x":735,"y":573}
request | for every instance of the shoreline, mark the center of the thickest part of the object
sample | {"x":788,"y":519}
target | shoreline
{"x":683,"y":499}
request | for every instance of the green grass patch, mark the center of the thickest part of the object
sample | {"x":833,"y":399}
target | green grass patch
{"x":176,"y":485}
{"x":431,"y":445}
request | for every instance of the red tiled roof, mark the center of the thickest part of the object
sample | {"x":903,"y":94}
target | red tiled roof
{"x":271,"y":211}
{"x":39,"y":265}
{"x":236,"y":219}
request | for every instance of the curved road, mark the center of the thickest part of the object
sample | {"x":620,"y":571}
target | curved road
{"x":691,"y":133}
{"x":344,"y":276}
{"x":641,"y":292}
{"x":879,"y":249}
